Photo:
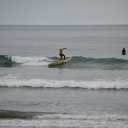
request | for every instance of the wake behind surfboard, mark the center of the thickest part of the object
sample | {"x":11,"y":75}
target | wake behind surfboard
{"x":55,"y":63}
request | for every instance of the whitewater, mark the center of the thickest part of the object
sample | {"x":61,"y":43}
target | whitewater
{"x":76,"y":62}
{"x":13,"y":81}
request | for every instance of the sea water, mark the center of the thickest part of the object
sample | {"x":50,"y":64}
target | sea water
{"x":90,"y":91}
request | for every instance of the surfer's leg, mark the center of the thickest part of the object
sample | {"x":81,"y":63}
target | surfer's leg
{"x":60,"y":56}
{"x":64,"y":56}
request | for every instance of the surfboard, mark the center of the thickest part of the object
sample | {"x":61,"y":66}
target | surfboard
{"x":55,"y":63}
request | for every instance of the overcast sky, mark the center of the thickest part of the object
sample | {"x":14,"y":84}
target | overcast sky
{"x":59,"y":12}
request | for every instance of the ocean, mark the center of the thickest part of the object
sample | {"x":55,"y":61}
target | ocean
{"x":89,"y":91}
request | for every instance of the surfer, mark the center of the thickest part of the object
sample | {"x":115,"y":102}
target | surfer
{"x":61,"y":53}
{"x":123,"y":51}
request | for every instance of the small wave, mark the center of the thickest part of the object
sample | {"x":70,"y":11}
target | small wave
{"x":82,"y":117}
{"x":98,"y":60}
{"x":11,"y":61}
{"x":35,"y":61}
{"x":46,"y":83}
{"x":101,"y":63}
{"x":5,"y":61}
{"x":77,"y":62}
{"x":16,"y":114}
{"x":64,"y":116}
{"x":97,"y":63}
{"x":50,"y":120}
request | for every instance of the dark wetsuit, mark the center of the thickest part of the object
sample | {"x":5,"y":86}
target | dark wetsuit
{"x":123,"y":51}
{"x":61,"y":54}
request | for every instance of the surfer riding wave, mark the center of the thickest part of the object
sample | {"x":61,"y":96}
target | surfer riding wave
{"x":61,"y":53}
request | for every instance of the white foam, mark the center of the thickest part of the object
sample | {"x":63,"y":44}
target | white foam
{"x":83,"y":117}
{"x":96,"y":84}
{"x":64,"y":121}
{"x":35,"y":61}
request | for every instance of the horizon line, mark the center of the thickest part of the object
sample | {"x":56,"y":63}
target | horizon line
{"x":61,"y":24}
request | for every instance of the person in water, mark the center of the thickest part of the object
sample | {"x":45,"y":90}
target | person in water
{"x":123,"y":51}
{"x":61,"y":53}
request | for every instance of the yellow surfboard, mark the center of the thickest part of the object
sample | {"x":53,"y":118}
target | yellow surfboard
{"x":60,"y":62}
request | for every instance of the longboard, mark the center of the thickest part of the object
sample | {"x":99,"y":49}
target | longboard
{"x":60,"y":62}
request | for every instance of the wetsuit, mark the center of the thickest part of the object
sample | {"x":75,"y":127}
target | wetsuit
{"x":123,"y":51}
{"x":61,"y":54}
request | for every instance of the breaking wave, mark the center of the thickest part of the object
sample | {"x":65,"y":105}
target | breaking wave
{"x":60,"y":120}
{"x":76,"y":62}
{"x":46,"y":83}
{"x":11,"y":61}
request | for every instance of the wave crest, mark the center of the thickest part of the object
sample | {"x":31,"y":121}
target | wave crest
{"x":46,"y":83}
{"x":50,"y":120}
{"x":77,"y":62}
{"x":31,"y":60}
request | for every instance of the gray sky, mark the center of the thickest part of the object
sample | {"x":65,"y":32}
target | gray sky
{"x":59,"y":12}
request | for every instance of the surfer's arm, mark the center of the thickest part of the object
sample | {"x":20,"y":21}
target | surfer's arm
{"x":64,"y":48}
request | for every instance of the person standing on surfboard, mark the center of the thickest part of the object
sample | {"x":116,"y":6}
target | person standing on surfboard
{"x":61,"y":53}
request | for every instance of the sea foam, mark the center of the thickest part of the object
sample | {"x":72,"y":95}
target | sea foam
{"x":35,"y":61}
{"x":49,"y":83}
{"x":70,"y":121}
